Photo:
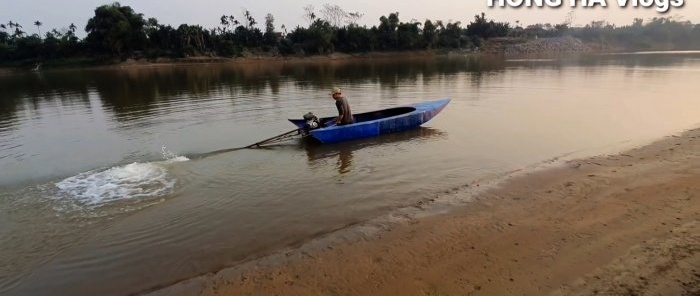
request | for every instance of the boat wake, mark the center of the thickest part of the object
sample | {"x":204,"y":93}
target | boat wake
{"x":131,"y":181}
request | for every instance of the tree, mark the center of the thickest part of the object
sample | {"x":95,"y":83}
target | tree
{"x":569,"y":20}
{"x":270,"y":37}
{"x":484,"y":28}
{"x":388,"y":38}
{"x":116,"y":29}
{"x":354,"y":38}
{"x":429,"y":34}
{"x":248,"y":19}
{"x":598,"y":24}
{"x":408,"y":35}
{"x":317,"y":39}
{"x":234,"y":22}
{"x":18,"y":33}
{"x":38,"y":27}
{"x":4,"y":36}
{"x":224,"y":22}
{"x":51,"y":47}
{"x":269,"y":23}
{"x":353,"y":18}
{"x":10,"y":25}
{"x":29,"y":47}
{"x":309,"y":14}
{"x":119,"y":31}
{"x":638,"y":22}
{"x":451,"y":36}
{"x":193,"y":39}
{"x":334,"y":15}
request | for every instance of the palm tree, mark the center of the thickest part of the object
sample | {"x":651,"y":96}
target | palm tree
{"x":250,"y":21}
{"x":224,"y":22}
{"x":38,"y":27}
{"x":56,"y":33}
{"x":18,"y":33}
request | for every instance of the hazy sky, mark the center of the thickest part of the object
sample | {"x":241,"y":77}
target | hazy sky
{"x":58,"y":14}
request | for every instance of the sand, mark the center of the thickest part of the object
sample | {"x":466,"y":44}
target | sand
{"x":624,"y":224}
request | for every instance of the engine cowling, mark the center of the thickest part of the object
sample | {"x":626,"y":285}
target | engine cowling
{"x":312,"y":122}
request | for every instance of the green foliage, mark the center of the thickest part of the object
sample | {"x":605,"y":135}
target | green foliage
{"x":269,"y":37}
{"x":355,"y":39}
{"x":451,"y":36}
{"x":29,"y":47}
{"x":430,"y":34}
{"x":388,"y":37}
{"x":409,"y":36}
{"x":317,"y":39}
{"x":484,"y":28}
{"x":661,"y":33}
{"x":117,"y":31}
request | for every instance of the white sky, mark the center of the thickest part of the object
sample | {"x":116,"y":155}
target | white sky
{"x":58,"y":14}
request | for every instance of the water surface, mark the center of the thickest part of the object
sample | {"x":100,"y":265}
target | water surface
{"x":103,"y":190}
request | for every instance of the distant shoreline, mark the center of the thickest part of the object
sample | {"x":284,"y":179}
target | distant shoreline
{"x":250,"y":59}
{"x":117,"y":32}
{"x":497,"y":46}
{"x":253,"y":59}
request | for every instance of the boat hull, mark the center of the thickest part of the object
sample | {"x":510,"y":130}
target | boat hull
{"x":409,"y":117}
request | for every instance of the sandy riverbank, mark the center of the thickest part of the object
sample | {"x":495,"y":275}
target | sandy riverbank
{"x":625,"y":224}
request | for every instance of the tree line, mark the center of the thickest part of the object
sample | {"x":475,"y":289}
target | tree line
{"x":119,"y":32}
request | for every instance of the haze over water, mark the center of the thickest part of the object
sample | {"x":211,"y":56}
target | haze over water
{"x":103,"y":190}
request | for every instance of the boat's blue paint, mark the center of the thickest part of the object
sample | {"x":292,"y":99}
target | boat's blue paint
{"x":377,"y":122}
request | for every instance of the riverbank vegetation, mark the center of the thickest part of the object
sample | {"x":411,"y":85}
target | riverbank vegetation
{"x":116,"y":33}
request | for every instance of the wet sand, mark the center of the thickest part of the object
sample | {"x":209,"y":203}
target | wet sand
{"x":623,"y":224}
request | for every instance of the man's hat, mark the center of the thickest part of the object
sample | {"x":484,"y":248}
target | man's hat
{"x":335,"y":91}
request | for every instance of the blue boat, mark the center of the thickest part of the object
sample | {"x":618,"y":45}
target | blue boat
{"x":374,"y":123}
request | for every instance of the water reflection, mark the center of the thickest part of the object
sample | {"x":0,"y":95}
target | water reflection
{"x":134,"y":93}
{"x":318,"y":154}
{"x":141,"y":89}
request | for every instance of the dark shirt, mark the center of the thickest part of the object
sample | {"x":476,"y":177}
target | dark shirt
{"x":344,"y":111}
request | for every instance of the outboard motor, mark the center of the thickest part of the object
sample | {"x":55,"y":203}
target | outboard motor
{"x":312,"y":122}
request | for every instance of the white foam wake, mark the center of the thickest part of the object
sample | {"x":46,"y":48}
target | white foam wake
{"x":129,"y":181}
{"x":135,"y":180}
{"x":169,"y":155}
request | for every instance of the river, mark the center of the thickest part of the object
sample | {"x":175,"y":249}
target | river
{"x":104,"y":188}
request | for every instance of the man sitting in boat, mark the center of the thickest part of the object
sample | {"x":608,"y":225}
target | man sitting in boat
{"x":344,"y":113}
